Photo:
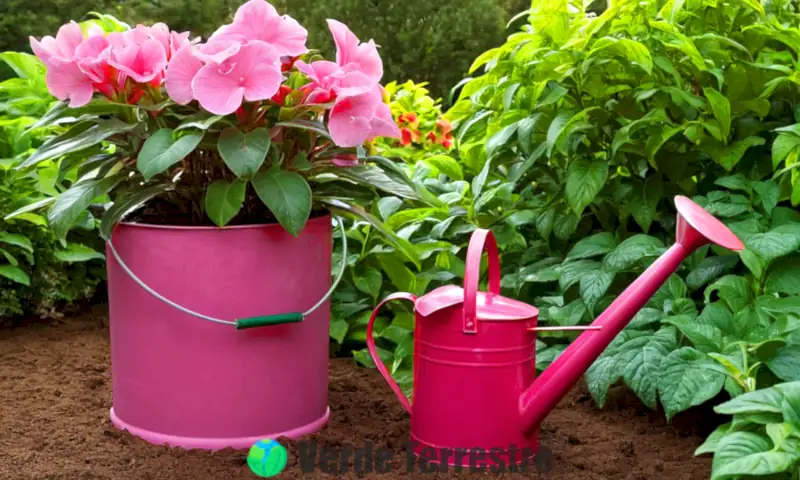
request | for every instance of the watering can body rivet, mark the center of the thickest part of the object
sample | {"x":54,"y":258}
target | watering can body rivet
{"x":477,"y":391}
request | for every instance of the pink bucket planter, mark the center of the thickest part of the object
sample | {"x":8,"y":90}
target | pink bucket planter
{"x":194,"y":383}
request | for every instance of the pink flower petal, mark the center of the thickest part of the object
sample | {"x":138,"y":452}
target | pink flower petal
{"x":348,"y":131}
{"x":217,"y":51}
{"x":217,"y":92}
{"x":68,"y":38}
{"x":261,"y":69}
{"x":66,"y":81}
{"x":258,"y":20}
{"x":349,"y":50}
{"x":92,"y":58}
{"x":181,"y":71}
{"x":142,"y":62}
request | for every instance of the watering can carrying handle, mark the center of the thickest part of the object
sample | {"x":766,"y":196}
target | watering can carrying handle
{"x":482,"y":241}
{"x":373,"y":352}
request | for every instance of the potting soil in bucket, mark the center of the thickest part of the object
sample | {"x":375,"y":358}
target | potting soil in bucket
{"x":193,"y":383}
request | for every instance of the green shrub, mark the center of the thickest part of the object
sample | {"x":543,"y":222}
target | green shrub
{"x":598,"y":122}
{"x":38,"y":275}
{"x":432,"y":42}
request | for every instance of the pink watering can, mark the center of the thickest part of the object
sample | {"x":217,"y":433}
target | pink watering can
{"x":476,"y":400}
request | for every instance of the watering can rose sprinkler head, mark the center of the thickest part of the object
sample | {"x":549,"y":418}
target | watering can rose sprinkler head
{"x":475,"y":386}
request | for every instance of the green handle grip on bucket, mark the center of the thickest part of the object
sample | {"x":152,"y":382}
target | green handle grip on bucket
{"x":266,"y":320}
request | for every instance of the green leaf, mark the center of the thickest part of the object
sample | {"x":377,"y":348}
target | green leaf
{"x":734,"y":290}
{"x":199,"y":121}
{"x":223,"y":200}
{"x":369,"y":281}
{"x":748,"y":453}
{"x":632,"y":250}
{"x":585,"y":179}
{"x":631,"y":51}
{"x":641,"y":362}
{"x":688,"y":378}
{"x":655,"y":142}
{"x":500,"y":138}
{"x":71,"y":204}
{"x":15,"y":274}
{"x":731,"y":155}
{"x":555,"y":129}
{"x":68,"y":143}
{"x":75,"y":252}
{"x":403,"y":278}
{"x":244,"y":153}
{"x":596,"y":245}
{"x":161,"y":151}
{"x":783,"y":145}
{"x":776,"y":243}
{"x":767,"y":400}
{"x":769,"y":193}
{"x":339,"y":330}
{"x":446,"y":165}
{"x":287,"y":195}
{"x":712,"y":442}
{"x":572,"y":272}
{"x":307,"y":125}
{"x":709,"y":269}
{"x":128,"y":203}
{"x":784,"y":277}
{"x":785,"y":363}
{"x":721,"y":108}
{"x":16,"y":239}
{"x":594,"y":285}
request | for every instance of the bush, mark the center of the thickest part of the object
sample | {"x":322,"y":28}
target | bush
{"x":432,"y":42}
{"x":595,"y":123}
{"x":38,"y":275}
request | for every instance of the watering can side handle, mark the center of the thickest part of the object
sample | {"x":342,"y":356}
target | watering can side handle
{"x":373,"y":352}
{"x":482,"y":241}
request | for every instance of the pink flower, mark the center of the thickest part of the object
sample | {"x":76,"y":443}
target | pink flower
{"x":349,"y":50}
{"x":329,"y":80}
{"x":59,"y":50}
{"x":354,"y":120}
{"x":182,"y":69}
{"x":252,"y":74}
{"x":258,"y":20}
{"x":92,"y":58}
{"x":141,"y":57}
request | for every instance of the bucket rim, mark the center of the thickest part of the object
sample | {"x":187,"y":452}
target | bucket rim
{"x":327,"y":216}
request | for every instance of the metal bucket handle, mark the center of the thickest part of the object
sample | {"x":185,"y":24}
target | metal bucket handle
{"x":482,"y":241}
{"x":248,"y":322}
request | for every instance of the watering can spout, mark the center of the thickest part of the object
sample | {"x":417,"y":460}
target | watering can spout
{"x":695,"y":228}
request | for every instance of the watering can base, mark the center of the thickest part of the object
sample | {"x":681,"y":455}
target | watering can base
{"x":505,"y":457}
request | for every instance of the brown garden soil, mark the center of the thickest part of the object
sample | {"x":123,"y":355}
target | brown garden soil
{"x":55,"y":392}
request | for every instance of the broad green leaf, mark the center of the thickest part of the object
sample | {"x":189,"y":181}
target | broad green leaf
{"x":71,"y":204}
{"x":446,"y":165}
{"x":640,"y":360}
{"x":783,"y":145}
{"x":339,"y":330}
{"x":688,"y":378}
{"x":585,"y":180}
{"x":500,"y":138}
{"x":747,"y":453}
{"x":709,"y":269}
{"x":555,"y":129}
{"x":388,"y":206}
{"x":785,"y":363}
{"x":721,"y":108}
{"x":128,"y":203}
{"x":632,"y":250}
{"x":16,"y":239}
{"x":15,"y":274}
{"x":769,"y":192}
{"x":775,"y":243}
{"x":630,"y":51}
{"x":704,"y":337}
{"x":655,"y":142}
{"x":369,"y":281}
{"x":288,"y":197}
{"x":572,"y":272}
{"x":313,"y":126}
{"x":96,"y":133}
{"x":596,"y":245}
{"x":600,"y":376}
{"x":734,"y":290}
{"x":767,"y":400}
{"x":224,"y":200}
{"x":244,"y":153}
{"x":400,"y":275}
{"x":731,"y":155}
{"x":712,"y":442}
{"x":162,"y":150}
{"x":200,"y":121}
{"x":594,"y":285}
{"x":784,"y":277}
{"x":76,"y":252}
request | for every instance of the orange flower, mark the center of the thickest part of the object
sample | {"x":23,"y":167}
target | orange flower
{"x":443,"y":127}
{"x":408,"y":119}
{"x":409,"y":136}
